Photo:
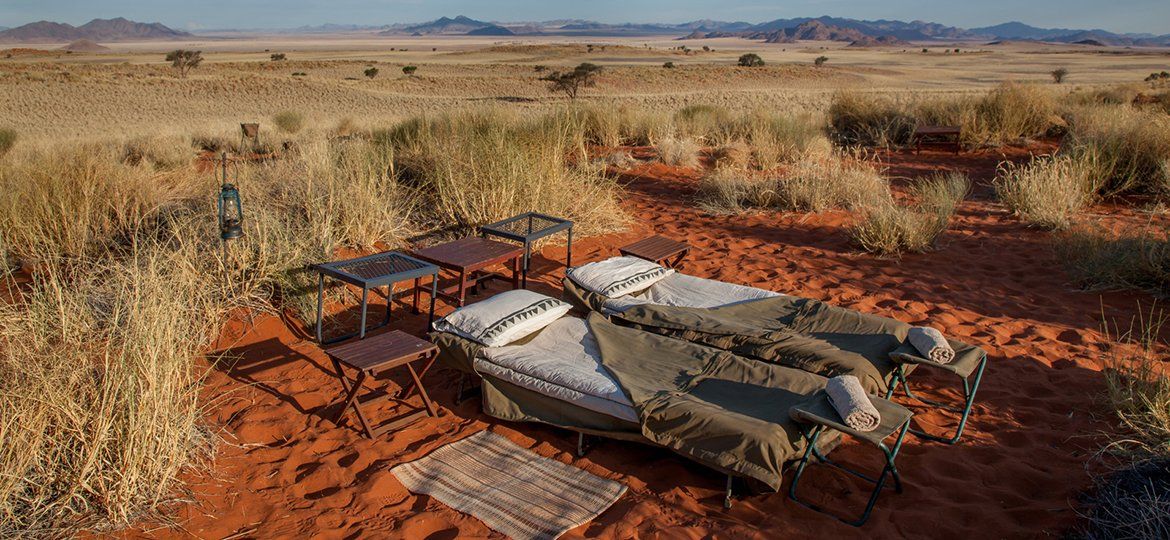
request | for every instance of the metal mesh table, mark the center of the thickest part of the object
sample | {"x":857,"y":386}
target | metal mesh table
{"x":527,"y":228}
{"x":371,"y":272}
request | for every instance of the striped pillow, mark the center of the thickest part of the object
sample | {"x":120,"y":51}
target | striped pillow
{"x":618,"y":276}
{"x":504,"y":318}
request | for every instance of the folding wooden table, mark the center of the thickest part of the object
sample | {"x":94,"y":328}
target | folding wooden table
{"x":374,"y":357}
{"x":469,"y":258}
{"x":658,"y":249}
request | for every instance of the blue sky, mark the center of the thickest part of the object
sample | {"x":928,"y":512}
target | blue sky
{"x":1119,"y":16}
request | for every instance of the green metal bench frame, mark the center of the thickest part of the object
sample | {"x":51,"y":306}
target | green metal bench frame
{"x":969,"y":390}
{"x":891,"y":470}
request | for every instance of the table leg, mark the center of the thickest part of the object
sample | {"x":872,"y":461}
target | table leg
{"x":351,"y":398}
{"x":434,"y":295}
{"x":462,"y":286}
{"x":365,"y":304}
{"x":417,"y":282}
{"x":407,"y":391}
{"x":516,"y":273}
{"x":422,"y":392}
{"x":527,"y":256}
{"x":569,"y":250}
{"x":389,"y":303}
{"x":320,"y":303}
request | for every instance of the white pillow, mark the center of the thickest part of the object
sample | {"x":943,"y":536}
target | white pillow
{"x":504,"y":318}
{"x":618,"y":276}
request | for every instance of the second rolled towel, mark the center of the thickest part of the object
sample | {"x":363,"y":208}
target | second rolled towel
{"x":931,"y":343}
{"x":851,"y":402}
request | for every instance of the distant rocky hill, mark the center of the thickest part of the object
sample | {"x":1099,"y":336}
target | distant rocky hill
{"x":84,"y":45}
{"x":443,"y":25}
{"x":118,"y":29}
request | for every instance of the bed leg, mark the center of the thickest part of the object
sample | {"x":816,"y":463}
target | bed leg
{"x":727,"y":496}
{"x":581,"y":447}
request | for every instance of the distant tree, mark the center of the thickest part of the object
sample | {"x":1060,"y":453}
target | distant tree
{"x":668,"y":65}
{"x":751,"y":60}
{"x":925,"y":50}
{"x":409,"y":70}
{"x":184,"y":61}
{"x":956,"y":50}
{"x":277,"y":57}
{"x":371,"y":72}
{"x":820,"y":61}
{"x":571,"y":82}
{"x":1058,"y":75}
{"x":706,"y":48}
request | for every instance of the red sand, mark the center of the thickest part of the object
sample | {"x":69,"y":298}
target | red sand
{"x":286,"y":470}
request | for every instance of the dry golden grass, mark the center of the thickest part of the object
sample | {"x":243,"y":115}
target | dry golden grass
{"x":678,"y":151}
{"x":890,"y":229}
{"x":1128,"y":147}
{"x":1048,"y":191}
{"x":815,"y":184}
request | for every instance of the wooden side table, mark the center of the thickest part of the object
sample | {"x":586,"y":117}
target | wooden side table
{"x":658,"y":249}
{"x":374,"y":357}
{"x":938,"y":135}
{"x":469,"y":257}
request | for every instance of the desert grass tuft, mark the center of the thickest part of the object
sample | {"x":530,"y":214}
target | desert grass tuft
{"x":7,"y":140}
{"x":290,"y":122}
{"x":1129,"y":147}
{"x":890,"y":229}
{"x":1047,"y":191}
{"x":811,"y":185}
{"x":1133,"y":501}
{"x":679,"y":152}
{"x":1101,"y":260}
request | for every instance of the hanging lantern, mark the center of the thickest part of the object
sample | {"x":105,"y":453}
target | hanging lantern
{"x":231,"y":215}
{"x":231,"y":212}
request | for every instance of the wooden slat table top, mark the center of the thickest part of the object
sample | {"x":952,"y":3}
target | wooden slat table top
{"x":654,"y":248}
{"x":471,"y":253}
{"x":938,"y":130}
{"x":382,"y":351}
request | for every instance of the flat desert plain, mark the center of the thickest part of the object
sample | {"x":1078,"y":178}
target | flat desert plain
{"x":283,"y":468}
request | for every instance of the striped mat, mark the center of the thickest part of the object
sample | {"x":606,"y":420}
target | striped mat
{"x":513,"y":490}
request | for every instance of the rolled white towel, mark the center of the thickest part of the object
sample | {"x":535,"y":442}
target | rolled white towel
{"x":932,"y":344}
{"x":851,"y":402}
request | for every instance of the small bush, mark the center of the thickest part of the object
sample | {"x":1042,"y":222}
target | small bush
{"x":278,"y":57}
{"x":751,"y":60}
{"x":289,"y":121}
{"x":810,"y":185}
{"x":1131,"y":502}
{"x":668,"y":65}
{"x":1046,"y":191}
{"x":371,"y":72}
{"x":7,"y":140}
{"x":679,"y":152}
{"x":860,"y":119}
{"x":710,"y":124}
{"x":409,"y":70}
{"x":1100,"y":260}
{"x":1058,"y":75}
{"x":1129,"y":147}
{"x":820,"y":61}
{"x":890,"y":229}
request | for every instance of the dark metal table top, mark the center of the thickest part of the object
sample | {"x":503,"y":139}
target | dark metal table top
{"x":527,"y":227}
{"x":470,"y":253}
{"x":378,"y":269}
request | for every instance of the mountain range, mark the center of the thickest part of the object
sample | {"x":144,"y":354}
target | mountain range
{"x":118,"y":29}
{"x":858,"y":32}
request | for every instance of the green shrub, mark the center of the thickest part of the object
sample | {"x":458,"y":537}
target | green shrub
{"x":7,"y":140}
{"x":289,"y":122}
{"x":751,"y":60}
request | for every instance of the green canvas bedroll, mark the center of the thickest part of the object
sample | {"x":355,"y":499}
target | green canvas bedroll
{"x":805,"y":334}
{"x":726,"y":412}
